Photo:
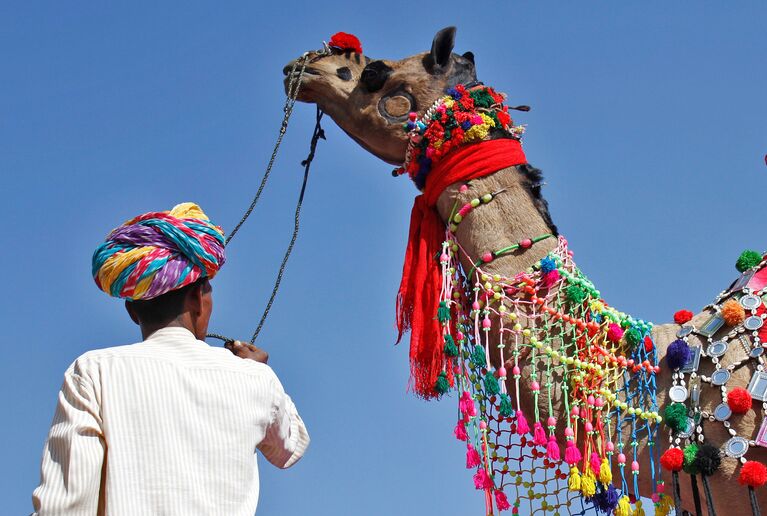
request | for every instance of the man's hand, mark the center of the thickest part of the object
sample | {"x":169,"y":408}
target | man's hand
{"x":249,"y":351}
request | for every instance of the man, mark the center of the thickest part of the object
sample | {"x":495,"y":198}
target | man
{"x":169,"y":425}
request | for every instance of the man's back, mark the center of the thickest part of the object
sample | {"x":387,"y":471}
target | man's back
{"x":178,"y":422}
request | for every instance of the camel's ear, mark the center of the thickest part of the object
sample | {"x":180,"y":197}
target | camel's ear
{"x":469,"y":56}
{"x":442,"y":47}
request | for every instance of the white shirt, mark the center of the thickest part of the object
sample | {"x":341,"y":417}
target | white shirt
{"x":164,"y":427}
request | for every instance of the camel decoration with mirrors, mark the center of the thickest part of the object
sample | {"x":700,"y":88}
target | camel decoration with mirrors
{"x":566,"y":404}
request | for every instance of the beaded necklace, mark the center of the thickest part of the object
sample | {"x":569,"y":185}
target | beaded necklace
{"x":736,"y":323}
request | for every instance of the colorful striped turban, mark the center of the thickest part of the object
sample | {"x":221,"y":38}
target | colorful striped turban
{"x":157,"y":252}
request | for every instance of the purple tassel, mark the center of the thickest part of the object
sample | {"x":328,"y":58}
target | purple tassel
{"x":552,"y":449}
{"x":539,"y":435}
{"x":677,"y":354}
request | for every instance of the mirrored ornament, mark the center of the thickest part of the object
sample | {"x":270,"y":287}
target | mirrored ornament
{"x":736,"y":447}
{"x":750,"y":302}
{"x":693,"y":362}
{"x":695,"y":392}
{"x":742,"y":281}
{"x":761,"y":437}
{"x":716,"y":348}
{"x":720,"y":377}
{"x":722,"y":412}
{"x":684,"y":331}
{"x":758,"y":386}
{"x":689,"y":430}
{"x":712,"y":325}
{"x":678,"y":393}
{"x":753,"y":323}
{"x":756,"y":352}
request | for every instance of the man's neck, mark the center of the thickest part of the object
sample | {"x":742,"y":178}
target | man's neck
{"x":180,"y":322}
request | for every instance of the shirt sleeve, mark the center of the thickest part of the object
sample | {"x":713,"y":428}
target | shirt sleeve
{"x":286,"y":437}
{"x":73,"y":456}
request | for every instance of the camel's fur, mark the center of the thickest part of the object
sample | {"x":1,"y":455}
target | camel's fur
{"x":515,"y":214}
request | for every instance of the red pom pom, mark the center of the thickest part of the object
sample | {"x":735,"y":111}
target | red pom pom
{"x":648,"y":344}
{"x":672,"y":459}
{"x":344,"y":41}
{"x":753,"y":474}
{"x":682,"y":316}
{"x":739,"y":400}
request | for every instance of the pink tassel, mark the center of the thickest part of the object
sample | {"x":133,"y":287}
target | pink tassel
{"x":552,"y":449}
{"x":522,"y":426}
{"x":539,"y":435}
{"x":472,"y":457}
{"x":460,"y":431}
{"x":595,"y":463}
{"x":501,"y":501}
{"x":466,"y":405}
{"x":482,"y":480}
{"x":572,"y":454}
{"x":550,"y":278}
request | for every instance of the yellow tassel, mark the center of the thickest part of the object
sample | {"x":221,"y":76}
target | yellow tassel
{"x":588,"y":483}
{"x":638,"y":511}
{"x":665,"y":505}
{"x":574,"y":482}
{"x":624,"y":507}
{"x":605,"y":473}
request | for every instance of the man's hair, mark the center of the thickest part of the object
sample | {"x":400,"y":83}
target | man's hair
{"x":165,"y":308}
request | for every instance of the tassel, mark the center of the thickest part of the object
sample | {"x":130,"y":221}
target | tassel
{"x":605,"y":472}
{"x":664,"y":506}
{"x":466,"y":405}
{"x":588,"y":483}
{"x":491,"y":384}
{"x":501,"y":501}
{"x":460,"y":431}
{"x":539,"y":435}
{"x":478,"y":356}
{"x":572,"y":454}
{"x":443,"y":312}
{"x":505,"y":409}
{"x":442,"y":385}
{"x":624,"y":507}
{"x":450,"y":349}
{"x":552,"y":449}
{"x":595,"y":463}
{"x":482,"y":480}
{"x":522,"y":426}
{"x":472,"y":457}
{"x":574,"y":482}
{"x":638,"y":511}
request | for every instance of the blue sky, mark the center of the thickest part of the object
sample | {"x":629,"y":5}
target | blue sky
{"x":648,"y":120}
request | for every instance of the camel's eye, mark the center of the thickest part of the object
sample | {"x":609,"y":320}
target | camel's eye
{"x":374,"y":75}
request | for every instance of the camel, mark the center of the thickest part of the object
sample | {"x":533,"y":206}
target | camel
{"x":370,"y":100}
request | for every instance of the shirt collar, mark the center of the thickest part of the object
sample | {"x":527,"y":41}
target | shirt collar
{"x":172,"y":333}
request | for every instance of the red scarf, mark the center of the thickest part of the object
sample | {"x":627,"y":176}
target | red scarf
{"x":418,"y":297}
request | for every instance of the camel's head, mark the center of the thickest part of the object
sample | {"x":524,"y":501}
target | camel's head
{"x":370,"y":99}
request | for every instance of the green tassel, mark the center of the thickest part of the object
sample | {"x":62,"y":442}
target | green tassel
{"x":675,"y":417}
{"x":690,"y":451}
{"x":505,"y":408}
{"x":575,"y":294}
{"x":633,"y":337}
{"x":451,"y":349}
{"x":747,"y":259}
{"x":478,"y":356}
{"x":491,"y":384}
{"x":442,"y":385}
{"x":443,"y":312}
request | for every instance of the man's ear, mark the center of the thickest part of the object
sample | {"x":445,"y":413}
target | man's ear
{"x":131,"y":312}
{"x":194,"y":299}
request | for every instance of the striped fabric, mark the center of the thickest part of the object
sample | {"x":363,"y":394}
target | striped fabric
{"x":164,"y":427}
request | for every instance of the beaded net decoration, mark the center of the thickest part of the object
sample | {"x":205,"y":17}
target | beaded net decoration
{"x":595,"y":363}
{"x":537,"y":359}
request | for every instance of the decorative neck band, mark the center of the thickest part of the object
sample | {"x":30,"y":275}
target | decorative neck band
{"x":461,"y":117}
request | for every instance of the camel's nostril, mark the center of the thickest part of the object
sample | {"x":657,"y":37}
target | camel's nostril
{"x":286,"y":69}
